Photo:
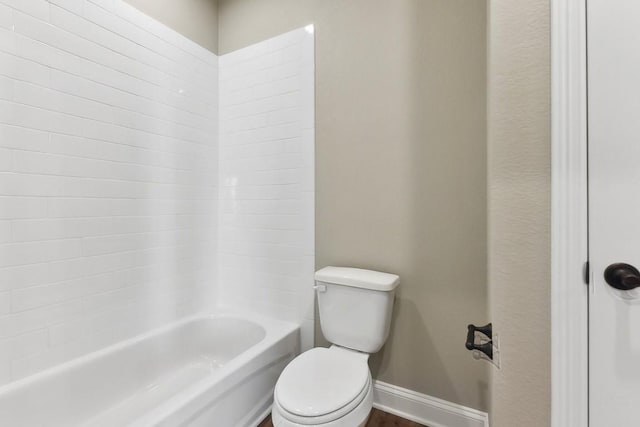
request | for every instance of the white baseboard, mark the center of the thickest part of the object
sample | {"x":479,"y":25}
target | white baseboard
{"x":424,"y":409}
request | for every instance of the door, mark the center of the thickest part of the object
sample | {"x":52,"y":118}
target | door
{"x":614,"y":211}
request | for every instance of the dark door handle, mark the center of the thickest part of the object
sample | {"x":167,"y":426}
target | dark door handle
{"x":622,"y":276}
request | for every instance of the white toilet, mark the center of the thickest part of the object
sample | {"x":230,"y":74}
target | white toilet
{"x":332,"y":387}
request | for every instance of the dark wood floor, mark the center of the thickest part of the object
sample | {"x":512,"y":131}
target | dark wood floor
{"x":377,"y":419}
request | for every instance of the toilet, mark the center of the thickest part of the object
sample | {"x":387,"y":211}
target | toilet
{"x":332,"y":387}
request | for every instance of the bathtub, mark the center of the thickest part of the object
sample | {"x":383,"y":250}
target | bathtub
{"x":214,"y":371}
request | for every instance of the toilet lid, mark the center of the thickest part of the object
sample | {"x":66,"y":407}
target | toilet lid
{"x":321,"y":381}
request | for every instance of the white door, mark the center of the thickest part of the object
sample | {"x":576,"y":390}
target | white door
{"x":614,"y":211}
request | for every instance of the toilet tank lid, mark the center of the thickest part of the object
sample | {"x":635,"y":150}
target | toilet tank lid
{"x":358,"y":278}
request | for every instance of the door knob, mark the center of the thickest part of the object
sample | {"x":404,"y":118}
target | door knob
{"x":622,"y":276}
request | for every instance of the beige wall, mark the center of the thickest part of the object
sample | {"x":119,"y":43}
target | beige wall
{"x":195,"y":19}
{"x":401,"y":165}
{"x":519,"y":210}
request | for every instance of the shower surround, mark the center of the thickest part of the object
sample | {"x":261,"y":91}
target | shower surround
{"x":267,"y":175}
{"x":123,"y":207}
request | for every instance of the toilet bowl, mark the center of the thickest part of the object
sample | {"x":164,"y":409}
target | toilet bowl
{"x":324,"y":387}
{"x":332,"y":387}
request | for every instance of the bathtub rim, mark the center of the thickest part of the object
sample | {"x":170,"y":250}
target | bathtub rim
{"x":276,"y":331}
{"x":273,"y":330}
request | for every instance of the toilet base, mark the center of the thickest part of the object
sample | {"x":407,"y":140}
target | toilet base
{"x":358,"y":417}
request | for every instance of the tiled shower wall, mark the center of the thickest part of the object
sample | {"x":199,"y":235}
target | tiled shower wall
{"x":266,"y":243}
{"x":108,"y":178}
{"x":109,"y":196}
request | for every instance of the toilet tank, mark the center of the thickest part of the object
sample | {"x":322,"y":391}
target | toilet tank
{"x":355,"y":306}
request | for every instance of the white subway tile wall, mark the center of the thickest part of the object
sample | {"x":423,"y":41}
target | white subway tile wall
{"x":266,"y":236}
{"x":111,"y":219}
{"x":108,"y":178}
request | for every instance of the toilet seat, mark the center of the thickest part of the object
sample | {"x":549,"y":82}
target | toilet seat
{"x":358,"y":409}
{"x":323,"y":385}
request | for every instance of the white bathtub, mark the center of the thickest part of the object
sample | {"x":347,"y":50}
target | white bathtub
{"x":214,"y":371}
